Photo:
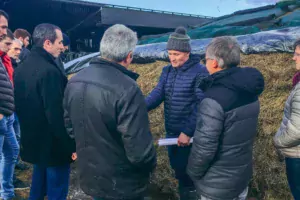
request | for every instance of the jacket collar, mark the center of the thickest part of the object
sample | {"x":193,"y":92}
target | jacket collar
{"x":100,"y":62}
{"x":44,"y":54}
{"x":2,"y":55}
{"x":206,"y":82}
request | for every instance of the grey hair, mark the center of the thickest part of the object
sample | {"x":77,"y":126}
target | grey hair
{"x":18,"y":41}
{"x":117,"y":42}
{"x":43,"y":32}
{"x":225,"y":50}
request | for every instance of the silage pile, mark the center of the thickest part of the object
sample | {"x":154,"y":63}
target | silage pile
{"x":269,"y":180}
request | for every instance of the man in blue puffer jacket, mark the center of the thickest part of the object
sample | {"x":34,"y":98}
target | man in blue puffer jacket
{"x":177,"y":88}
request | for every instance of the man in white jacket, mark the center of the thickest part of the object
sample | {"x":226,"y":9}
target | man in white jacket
{"x":287,"y":138}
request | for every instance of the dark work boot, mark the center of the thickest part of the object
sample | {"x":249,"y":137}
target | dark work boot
{"x":188,"y":193}
{"x":193,"y":195}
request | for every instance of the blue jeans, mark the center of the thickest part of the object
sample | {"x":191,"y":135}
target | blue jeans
{"x":9,"y":151}
{"x":17,"y":129}
{"x":293,"y":174}
{"x":50,"y":181}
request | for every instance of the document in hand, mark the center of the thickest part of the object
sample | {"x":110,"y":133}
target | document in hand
{"x":169,"y":141}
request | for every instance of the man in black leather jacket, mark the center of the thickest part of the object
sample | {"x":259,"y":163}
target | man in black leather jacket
{"x":220,"y":163}
{"x":106,"y":113}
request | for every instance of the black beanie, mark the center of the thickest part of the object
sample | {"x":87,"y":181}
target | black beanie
{"x":179,"y":41}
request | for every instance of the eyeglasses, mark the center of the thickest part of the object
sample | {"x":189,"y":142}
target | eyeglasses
{"x":204,"y":60}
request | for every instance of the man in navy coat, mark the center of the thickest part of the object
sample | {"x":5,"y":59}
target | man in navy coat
{"x":177,"y":89}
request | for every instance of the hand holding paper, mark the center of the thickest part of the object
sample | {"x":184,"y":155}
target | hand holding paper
{"x":170,"y":141}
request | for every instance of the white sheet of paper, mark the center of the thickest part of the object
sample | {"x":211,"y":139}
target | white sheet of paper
{"x":169,"y":141}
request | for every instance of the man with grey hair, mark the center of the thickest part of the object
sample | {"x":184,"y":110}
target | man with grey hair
{"x":106,"y":113}
{"x":39,"y":90}
{"x":220,"y":163}
{"x":14,"y":52}
{"x":24,"y":37}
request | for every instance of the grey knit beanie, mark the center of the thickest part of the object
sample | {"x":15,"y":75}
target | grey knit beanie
{"x":179,"y":41}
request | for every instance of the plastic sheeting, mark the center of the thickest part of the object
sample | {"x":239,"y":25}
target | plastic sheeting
{"x":241,"y":22}
{"x":77,"y":64}
{"x":281,"y":40}
{"x":270,"y":41}
{"x":248,"y":17}
{"x":208,"y":32}
{"x":215,"y":31}
{"x":291,"y":19}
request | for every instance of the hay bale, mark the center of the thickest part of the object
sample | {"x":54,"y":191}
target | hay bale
{"x":269,"y":180}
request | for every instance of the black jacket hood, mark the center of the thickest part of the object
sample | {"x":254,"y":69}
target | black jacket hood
{"x":244,"y":80}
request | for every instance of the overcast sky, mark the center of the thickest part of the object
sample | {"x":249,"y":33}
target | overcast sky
{"x":212,"y":8}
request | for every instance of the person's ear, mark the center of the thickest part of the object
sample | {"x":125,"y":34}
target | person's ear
{"x":130,"y":54}
{"x":47,"y":43}
{"x":215,"y":64}
{"x":129,"y":57}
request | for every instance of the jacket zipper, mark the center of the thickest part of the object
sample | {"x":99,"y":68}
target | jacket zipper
{"x":7,"y":76}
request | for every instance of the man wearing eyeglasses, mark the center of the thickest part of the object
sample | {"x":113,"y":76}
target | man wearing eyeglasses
{"x":221,"y":159}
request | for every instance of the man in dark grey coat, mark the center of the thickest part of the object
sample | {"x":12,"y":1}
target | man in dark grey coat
{"x":220,"y":163}
{"x":106,"y":112}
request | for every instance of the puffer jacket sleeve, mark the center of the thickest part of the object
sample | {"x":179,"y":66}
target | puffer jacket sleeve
{"x":7,"y":104}
{"x":133,"y":124}
{"x":157,"y":95}
{"x":191,"y":122}
{"x":209,"y":127}
{"x":289,"y":135}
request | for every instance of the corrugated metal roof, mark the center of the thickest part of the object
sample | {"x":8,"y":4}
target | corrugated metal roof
{"x":97,"y":3}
